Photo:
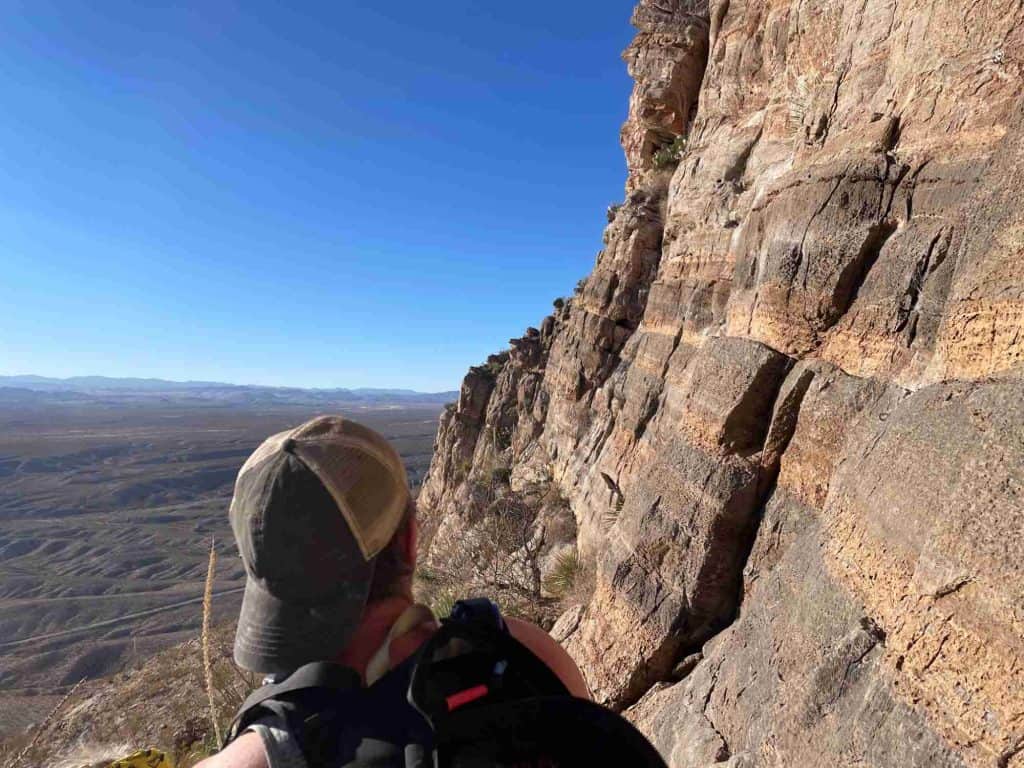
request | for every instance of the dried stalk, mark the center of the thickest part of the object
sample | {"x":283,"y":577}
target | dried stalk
{"x":42,"y":726}
{"x":207,"y":663}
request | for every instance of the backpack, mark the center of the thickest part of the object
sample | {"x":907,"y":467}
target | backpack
{"x":471,"y":696}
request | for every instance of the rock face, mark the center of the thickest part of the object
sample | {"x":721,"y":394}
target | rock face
{"x":787,"y":407}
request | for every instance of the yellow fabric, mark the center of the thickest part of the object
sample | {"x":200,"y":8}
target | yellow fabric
{"x":144,"y":758}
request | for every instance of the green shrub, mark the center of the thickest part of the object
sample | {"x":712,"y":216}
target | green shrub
{"x":670,"y":155}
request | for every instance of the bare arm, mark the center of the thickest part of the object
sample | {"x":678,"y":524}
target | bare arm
{"x":551,"y":653}
{"x":244,"y":752}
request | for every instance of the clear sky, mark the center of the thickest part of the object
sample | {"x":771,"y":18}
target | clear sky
{"x":348,"y":193}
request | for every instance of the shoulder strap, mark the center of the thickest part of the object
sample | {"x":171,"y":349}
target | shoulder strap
{"x":319,"y":674}
{"x":412,"y":617}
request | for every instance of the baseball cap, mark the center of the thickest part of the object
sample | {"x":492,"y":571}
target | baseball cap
{"x":313,"y":507}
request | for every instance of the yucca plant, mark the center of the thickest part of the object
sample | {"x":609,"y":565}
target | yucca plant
{"x":562,"y":577}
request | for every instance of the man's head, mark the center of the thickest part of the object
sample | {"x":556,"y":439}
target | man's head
{"x":316,"y":511}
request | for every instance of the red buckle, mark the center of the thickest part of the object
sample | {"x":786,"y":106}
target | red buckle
{"x":462,"y":698}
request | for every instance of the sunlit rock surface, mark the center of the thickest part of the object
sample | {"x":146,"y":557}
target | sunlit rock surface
{"x":787,"y":406}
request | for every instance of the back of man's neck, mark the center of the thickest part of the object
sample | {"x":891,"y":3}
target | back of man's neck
{"x":372,"y":632}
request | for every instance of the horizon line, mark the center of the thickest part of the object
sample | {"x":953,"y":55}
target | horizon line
{"x":205,"y":382}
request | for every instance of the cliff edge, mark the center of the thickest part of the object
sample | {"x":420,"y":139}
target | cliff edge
{"x":781,"y":424}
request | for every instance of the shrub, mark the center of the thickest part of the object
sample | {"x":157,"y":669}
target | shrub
{"x":563,"y":575}
{"x":441,"y":603}
{"x":608,"y":519}
{"x":670,"y":155}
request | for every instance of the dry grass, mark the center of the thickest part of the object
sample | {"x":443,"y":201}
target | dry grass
{"x":19,"y":759}
{"x":564,"y":573}
{"x":89,"y":755}
{"x":162,"y":703}
{"x":179,"y":701}
{"x":503,"y":542}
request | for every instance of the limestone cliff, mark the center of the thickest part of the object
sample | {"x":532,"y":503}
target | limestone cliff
{"x":785,"y":409}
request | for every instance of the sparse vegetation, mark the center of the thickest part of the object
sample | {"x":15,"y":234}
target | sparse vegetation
{"x":609,"y":518}
{"x":669,"y":155}
{"x":563,"y":575}
{"x":503,"y":538}
{"x":23,"y":755}
{"x":501,"y":475}
{"x":160,"y":704}
{"x":494,"y":365}
{"x":462,"y":470}
{"x":442,"y":603}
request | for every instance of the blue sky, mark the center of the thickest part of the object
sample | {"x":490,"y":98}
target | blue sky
{"x":309,"y":194}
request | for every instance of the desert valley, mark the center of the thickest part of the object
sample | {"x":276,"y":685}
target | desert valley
{"x":110,"y":495}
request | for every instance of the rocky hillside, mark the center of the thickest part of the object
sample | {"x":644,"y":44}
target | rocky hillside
{"x":786,"y":409}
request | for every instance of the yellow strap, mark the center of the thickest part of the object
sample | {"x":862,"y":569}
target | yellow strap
{"x":144,"y":758}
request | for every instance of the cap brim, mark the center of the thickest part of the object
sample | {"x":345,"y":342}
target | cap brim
{"x":274,"y":636}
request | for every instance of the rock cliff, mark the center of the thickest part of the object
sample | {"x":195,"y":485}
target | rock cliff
{"x":785,"y":408}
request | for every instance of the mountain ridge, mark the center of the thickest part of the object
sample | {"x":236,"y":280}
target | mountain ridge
{"x":111,"y":383}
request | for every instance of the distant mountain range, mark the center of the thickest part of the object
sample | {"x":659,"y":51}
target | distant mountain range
{"x":84,"y":388}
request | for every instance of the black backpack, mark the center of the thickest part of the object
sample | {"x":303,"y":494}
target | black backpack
{"x":472,"y":696}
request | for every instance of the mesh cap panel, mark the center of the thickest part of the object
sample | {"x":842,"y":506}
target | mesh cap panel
{"x":361,"y":471}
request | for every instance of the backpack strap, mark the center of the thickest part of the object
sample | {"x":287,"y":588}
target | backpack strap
{"x":413,"y":616}
{"x":318,"y":675}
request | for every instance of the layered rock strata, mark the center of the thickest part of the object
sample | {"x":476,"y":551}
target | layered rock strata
{"x":786,"y":406}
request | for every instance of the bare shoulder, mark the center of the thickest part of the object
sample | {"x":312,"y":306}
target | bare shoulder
{"x":244,"y":752}
{"x":551,"y":653}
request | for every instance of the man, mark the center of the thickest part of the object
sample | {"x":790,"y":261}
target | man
{"x":325,"y":525}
